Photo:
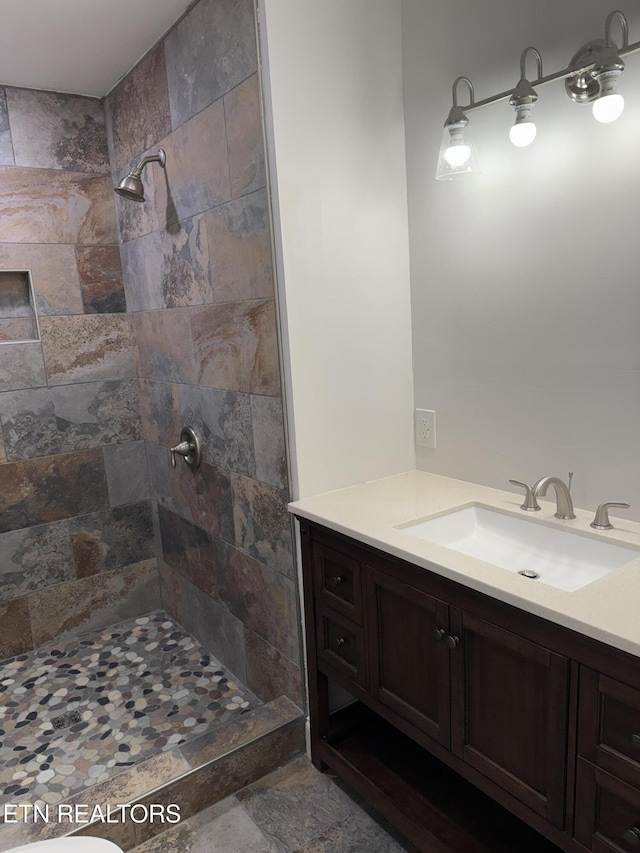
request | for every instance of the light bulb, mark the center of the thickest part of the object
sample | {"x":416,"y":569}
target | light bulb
{"x":523,"y":133}
{"x":608,"y":107}
{"x":457,"y":154}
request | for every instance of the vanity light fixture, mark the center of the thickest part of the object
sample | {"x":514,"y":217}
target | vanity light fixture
{"x":591,"y":77}
{"x":457,"y":152}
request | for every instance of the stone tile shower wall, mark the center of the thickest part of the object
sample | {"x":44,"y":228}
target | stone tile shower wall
{"x":76,"y":536}
{"x":199,"y":290}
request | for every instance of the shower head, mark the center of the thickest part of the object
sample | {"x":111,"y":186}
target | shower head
{"x":131,"y":186}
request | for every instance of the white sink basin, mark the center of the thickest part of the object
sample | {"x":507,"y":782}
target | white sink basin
{"x":559,"y":558}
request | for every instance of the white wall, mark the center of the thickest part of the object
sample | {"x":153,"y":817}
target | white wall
{"x":526,"y":280}
{"x":334,"y":103}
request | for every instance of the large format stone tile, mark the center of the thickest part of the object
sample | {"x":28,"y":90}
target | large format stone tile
{"x":223,"y":828}
{"x":113,"y":538}
{"x":163,"y":347}
{"x":219,"y":779}
{"x":270,"y":673}
{"x":52,"y":206}
{"x":53,"y":272}
{"x":222,"y":420}
{"x":15,"y":629}
{"x":160,"y":411}
{"x":87,"y":348}
{"x":51,"y":488}
{"x":101,"y":283}
{"x":170,"y":590}
{"x":55,"y":131}
{"x":190,"y":550}
{"x":359,"y":831}
{"x":240,"y":249}
{"x":47,"y":421}
{"x":142,"y":288}
{"x":139,"y":109}
{"x":295,"y":804}
{"x":202,"y":496}
{"x":34,"y":558}
{"x":215,"y":628}
{"x":254,"y":724}
{"x":21,"y":366}
{"x":235,"y":347}
{"x":210,"y":51}
{"x":6,"y":148}
{"x":127,"y":473}
{"x":168,"y":268}
{"x":263,"y":599}
{"x":244,"y":137}
{"x":269,"y":441}
{"x":262,"y":523}
{"x":95,"y":602}
{"x":197,"y":171}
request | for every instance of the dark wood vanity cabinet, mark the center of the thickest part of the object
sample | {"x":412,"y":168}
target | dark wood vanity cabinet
{"x":518,"y":706}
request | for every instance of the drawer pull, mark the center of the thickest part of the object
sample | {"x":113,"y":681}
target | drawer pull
{"x":440,"y":634}
{"x":453,"y":642}
{"x":336,"y":580}
{"x":340,"y":642}
{"x":632,"y":837}
{"x":635,"y":740}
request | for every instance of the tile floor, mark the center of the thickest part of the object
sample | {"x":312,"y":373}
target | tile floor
{"x":76,"y":713}
{"x":294,"y":810}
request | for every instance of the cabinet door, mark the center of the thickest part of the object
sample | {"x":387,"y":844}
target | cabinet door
{"x":409,"y":668}
{"x":607,"y":811}
{"x":509,"y":712}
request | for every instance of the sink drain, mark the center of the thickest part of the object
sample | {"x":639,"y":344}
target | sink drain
{"x":529,"y":573}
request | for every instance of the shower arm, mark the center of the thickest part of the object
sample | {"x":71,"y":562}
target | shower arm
{"x":150,"y":158}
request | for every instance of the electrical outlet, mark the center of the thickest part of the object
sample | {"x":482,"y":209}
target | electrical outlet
{"x":426,"y":428}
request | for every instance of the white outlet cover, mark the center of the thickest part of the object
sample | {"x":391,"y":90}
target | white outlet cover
{"x":425,"y":425}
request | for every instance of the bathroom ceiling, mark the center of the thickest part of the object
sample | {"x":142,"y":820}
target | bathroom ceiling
{"x":79,"y":46}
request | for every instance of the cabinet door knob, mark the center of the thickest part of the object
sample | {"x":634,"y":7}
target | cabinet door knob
{"x":635,"y":740}
{"x":340,"y":642}
{"x":440,"y":634}
{"x":632,"y":837}
{"x":336,"y":580}
{"x":453,"y":642}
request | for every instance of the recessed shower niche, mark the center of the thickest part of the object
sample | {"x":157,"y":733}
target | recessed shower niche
{"x":18,"y":317}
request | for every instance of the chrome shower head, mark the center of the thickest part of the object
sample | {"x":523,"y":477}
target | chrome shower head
{"x":131,"y":186}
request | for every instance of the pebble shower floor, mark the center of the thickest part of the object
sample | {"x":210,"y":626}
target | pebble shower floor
{"x":79,"y":712}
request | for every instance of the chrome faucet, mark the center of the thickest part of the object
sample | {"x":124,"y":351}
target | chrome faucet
{"x":564,"y":508}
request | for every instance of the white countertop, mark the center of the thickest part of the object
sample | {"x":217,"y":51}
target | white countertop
{"x":607,"y":609}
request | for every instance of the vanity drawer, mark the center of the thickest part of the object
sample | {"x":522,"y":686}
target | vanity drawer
{"x":341,"y":645}
{"x":337,"y":580}
{"x":609,"y":732}
{"x":607,"y":811}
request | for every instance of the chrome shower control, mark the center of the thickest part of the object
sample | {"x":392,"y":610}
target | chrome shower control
{"x":189,"y":448}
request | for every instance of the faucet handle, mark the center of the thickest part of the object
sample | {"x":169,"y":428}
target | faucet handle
{"x":530,"y":503}
{"x":601,"y":521}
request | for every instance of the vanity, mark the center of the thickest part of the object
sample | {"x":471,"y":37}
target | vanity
{"x":494,"y":711}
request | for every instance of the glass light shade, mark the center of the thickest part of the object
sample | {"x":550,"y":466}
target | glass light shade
{"x":458,"y":156}
{"x":609,"y":104}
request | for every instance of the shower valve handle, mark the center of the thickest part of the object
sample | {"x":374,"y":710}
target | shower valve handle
{"x":189,"y":448}
{"x":184,"y":449}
